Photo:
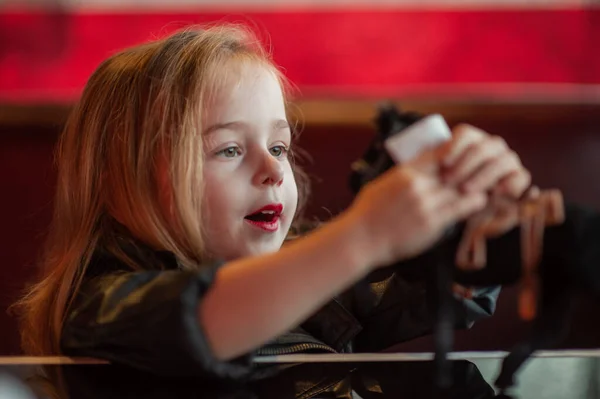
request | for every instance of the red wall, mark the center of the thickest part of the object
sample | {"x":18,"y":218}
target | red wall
{"x":360,"y":51}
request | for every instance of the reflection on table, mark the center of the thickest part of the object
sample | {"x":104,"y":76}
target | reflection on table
{"x":549,"y":374}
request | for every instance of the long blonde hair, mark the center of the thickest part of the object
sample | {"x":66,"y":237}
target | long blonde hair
{"x":145,"y":101}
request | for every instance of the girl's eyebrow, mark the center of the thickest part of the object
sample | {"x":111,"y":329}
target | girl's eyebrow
{"x":277,"y":124}
{"x":228,"y":125}
{"x":280,"y":124}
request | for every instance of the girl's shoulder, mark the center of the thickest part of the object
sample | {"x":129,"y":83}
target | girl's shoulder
{"x":127,"y":255}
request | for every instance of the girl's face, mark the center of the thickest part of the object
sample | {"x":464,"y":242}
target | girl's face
{"x":250,"y":195}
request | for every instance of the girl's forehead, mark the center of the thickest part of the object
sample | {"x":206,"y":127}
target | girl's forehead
{"x":245,"y":77}
{"x":242,"y":90}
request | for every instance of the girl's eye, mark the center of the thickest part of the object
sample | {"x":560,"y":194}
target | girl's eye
{"x":278,"y":151}
{"x":230,"y":152}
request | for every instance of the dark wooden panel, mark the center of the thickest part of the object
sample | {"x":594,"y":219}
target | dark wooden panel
{"x":27,"y":182}
{"x":559,"y":143}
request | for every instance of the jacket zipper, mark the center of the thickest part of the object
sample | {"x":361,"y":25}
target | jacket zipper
{"x":294,"y":349}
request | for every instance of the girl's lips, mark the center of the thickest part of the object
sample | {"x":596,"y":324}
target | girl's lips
{"x":266,"y":218}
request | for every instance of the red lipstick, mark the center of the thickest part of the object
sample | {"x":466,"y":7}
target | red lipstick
{"x":266,"y":218}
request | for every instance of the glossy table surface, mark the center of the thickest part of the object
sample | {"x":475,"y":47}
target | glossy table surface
{"x":573,"y":374}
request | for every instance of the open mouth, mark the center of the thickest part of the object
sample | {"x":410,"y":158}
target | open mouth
{"x":263,"y":216}
{"x":266,"y":218}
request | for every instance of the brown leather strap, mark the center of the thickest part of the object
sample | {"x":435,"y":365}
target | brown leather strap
{"x":536,"y":210}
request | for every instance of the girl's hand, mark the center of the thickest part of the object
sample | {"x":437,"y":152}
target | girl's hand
{"x":476,"y":161}
{"x":405,"y":211}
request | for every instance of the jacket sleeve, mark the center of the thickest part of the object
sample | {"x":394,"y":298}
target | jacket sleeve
{"x":147,"y":320}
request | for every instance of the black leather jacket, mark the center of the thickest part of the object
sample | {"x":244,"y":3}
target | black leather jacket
{"x":148,"y":319}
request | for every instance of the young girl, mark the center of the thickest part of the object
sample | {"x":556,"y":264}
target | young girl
{"x":177,"y":188}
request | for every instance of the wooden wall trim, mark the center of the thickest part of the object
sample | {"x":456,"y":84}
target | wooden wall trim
{"x":333,"y":112}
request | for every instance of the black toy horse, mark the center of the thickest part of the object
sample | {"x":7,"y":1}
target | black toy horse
{"x":569,"y":263}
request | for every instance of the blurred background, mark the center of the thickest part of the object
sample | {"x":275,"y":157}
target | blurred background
{"x":526,"y":70}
